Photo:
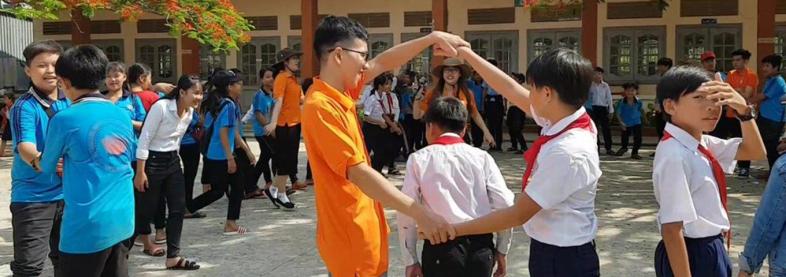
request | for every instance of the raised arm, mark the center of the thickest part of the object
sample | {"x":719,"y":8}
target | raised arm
{"x":402,"y":53}
{"x":497,"y":79}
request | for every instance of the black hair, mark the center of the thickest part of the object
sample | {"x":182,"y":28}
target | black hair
{"x":37,"y":48}
{"x":667,"y":62}
{"x":493,"y":62}
{"x":335,"y":29}
{"x":565,"y":71}
{"x":630,"y":85}
{"x":381,"y":80}
{"x":84,"y":66}
{"x":262,"y":75}
{"x":136,"y":71}
{"x":277,"y":68}
{"x":746,"y":55}
{"x":118,"y":67}
{"x":461,"y":85}
{"x":307,"y":84}
{"x":185,"y":83}
{"x":448,"y":113}
{"x":774,"y":60}
{"x":220,"y":81}
{"x":599,"y":69}
{"x":679,"y":81}
{"x":520,"y":77}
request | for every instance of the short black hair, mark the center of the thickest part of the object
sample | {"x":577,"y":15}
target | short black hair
{"x":335,"y":29}
{"x":493,"y":61}
{"x":774,"y":60}
{"x":136,"y":71}
{"x":39,"y":47}
{"x":83,"y":65}
{"x":565,"y":71}
{"x":382,"y":79}
{"x":630,"y":85}
{"x":667,"y":62}
{"x":599,"y":69}
{"x":448,"y":113}
{"x":679,"y":81}
{"x":746,"y":55}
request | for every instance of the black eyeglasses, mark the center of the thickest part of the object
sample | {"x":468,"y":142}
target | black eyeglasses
{"x":363,"y":55}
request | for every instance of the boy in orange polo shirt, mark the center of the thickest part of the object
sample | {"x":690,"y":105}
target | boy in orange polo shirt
{"x":745,"y":82}
{"x":352,"y":234}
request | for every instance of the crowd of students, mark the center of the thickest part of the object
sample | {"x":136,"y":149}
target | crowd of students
{"x":93,"y":170}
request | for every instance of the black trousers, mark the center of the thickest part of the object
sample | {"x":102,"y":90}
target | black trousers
{"x":463,"y":256}
{"x":190,"y":155}
{"x":475,"y":134}
{"x":706,"y":256}
{"x":495,"y":114}
{"x":36,"y":234}
{"x":159,"y":221}
{"x":635,"y":131}
{"x":265,"y":155}
{"x":378,"y":141}
{"x":600,"y":115}
{"x":730,"y":128}
{"x":287,"y":148}
{"x":413,"y":134}
{"x":516,"y":127}
{"x":250,"y":173}
{"x":547,"y":260}
{"x":110,"y":262}
{"x":771,"y":132}
{"x":221,"y":182}
{"x":660,"y":124}
{"x":164,"y":178}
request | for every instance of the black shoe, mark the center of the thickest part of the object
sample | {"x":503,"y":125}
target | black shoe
{"x":512,"y":149}
{"x":394,"y":172}
{"x":652,"y":155}
{"x":270,"y":196}
{"x":520,"y":152}
{"x":744,"y":172}
{"x":622,"y":151}
{"x":635,"y":157}
{"x":610,"y":153}
{"x":288,"y":205}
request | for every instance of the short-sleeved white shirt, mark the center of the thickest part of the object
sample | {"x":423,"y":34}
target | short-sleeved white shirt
{"x":563,"y":183}
{"x":685,"y":187}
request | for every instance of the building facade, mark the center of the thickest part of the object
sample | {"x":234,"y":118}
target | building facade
{"x":630,"y":35}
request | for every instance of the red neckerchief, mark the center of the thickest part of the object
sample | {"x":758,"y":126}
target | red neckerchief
{"x":583,"y":122}
{"x":447,"y":140}
{"x":720,"y":179}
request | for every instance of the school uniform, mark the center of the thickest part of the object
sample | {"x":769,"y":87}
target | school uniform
{"x":495,"y":113}
{"x":36,"y":197}
{"x":97,"y":185}
{"x":383,"y":143}
{"x":690,"y":187}
{"x":263,"y":103}
{"x":630,"y":114}
{"x":158,"y":145}
{"x":458,"y":182}
{"x":562,"y":177}
{"x":602,"y":106}
{"x":215,"y":164}
{"x":771,"y":116}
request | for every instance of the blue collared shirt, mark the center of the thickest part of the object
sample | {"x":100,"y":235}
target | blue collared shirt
{"x":29,"y":122}
{"x":228,"y":117}
{"x":771,"y":108}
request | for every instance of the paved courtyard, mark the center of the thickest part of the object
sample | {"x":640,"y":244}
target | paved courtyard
{"x":281,"y":243}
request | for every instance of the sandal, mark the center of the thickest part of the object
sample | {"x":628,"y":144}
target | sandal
{"x":158,"y":252}
{"x":255,"y":195}
{"x":184,"y":264}
{"x":240,"y":231}
{"x":194,"y":215}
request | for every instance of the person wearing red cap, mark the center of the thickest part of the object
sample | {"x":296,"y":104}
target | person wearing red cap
{"x":708,"y":60}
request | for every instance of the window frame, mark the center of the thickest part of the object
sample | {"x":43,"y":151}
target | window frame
{"x":555,"y":35}
{"x":425,"y":56}
{"x":206,"y":54}
{"x":635,"y":33}
{"x":156,"y":44}
{"x":492,"y":51}
{"x":250,"y":77}
{"x":709,"y":31}
{"x":103,"y":44}
{"x":374,"y":38}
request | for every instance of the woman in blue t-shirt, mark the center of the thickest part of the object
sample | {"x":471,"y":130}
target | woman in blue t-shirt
{"x":118,"y":92}
{"x":222,"y":119}
{"x":263,"y":106}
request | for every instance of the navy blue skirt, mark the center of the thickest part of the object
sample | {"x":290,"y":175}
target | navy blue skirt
{"x":707,"y":257}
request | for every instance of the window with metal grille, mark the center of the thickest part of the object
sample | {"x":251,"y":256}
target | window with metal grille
{"x":541,"y":41}
{"x":491,"y":16}
{"x":57,"y":28}
{"x":255,"y":55}
{"x":210,"y":60}
{"x":422,"y":62}
{"x":264,"y":23}
{"x":708,"y":7}
{"x":378,"y":43}
{"x":372,"y":20}
{"x":631,"y":54}
{"x":500,"y":45}
{"x":419,"y":18}
{"x":623,"y":10}
{"x":721,"y":39}
{"x":161,"y":56}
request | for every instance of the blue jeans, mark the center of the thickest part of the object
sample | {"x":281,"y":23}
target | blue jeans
{"x":768,"y":234}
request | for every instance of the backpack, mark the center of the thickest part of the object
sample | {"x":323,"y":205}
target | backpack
{"x":207,"y":134}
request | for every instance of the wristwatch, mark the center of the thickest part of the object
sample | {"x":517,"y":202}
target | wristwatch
{"x":749,"y":116}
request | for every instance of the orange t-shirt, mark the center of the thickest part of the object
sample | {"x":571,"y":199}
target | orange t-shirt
{"x":286,"y":87}
{"x":469,"y":103}
{"x":352,"y":234}
{"x":739,"y":80}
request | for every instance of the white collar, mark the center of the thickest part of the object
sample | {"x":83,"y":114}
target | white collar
{"x":682,"y":136}
{"x":450,"y":134}
{"x":563,"y":123}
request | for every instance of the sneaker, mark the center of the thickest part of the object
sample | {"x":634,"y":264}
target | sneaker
{"x":622,"y":151}
{"x":744,"y":172}
{"x":635,"y":157}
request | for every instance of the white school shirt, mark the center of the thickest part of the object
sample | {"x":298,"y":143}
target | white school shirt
{"x":685,"y":187}
{"x":163,"y":128}
{"x":563,"y":183}
{"x":458,"y":182}
{"x":601,"y":95}
{"x":375,"y":109}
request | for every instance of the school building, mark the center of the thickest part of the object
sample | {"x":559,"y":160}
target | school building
{"x":626,"y":37}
